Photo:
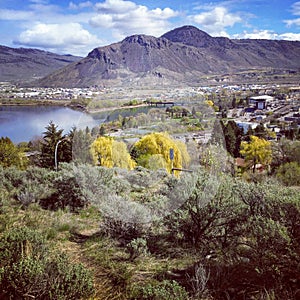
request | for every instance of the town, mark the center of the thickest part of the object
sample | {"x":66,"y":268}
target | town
{"x":276,"y":107}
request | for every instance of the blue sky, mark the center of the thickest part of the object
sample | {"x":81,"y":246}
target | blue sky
{"x":77,"y":27}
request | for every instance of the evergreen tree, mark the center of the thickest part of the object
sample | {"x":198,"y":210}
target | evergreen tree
{"x":233,"y":136}
{"x":51,"y":137}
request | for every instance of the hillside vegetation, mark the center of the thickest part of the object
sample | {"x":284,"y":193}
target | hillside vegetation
{"x":146,"y":235}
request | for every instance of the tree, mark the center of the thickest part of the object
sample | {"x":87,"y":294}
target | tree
{"x":101,"y":150}
{"x":121,"y":157}
{"x":81,"y":143}
{"x":257,"y":151}
{"x":184,"y":153}
{"x":233,"y":136}
{"x":260,"y":131}
{"x":289,"y":174}
{"x":285,"y":151}
{"x":158,"y":143}
{"x":110,"y":153}
{"x":10,"y":155}
{"x":51,"y":137}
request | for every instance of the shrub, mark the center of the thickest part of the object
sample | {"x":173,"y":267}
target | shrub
{"x":289,"y":174}
{"x":137,"y":247}
{"x":165,"y":290}
{"x":67,"y":281}
{"x":28,"y":271}
{"x":68,"y":193}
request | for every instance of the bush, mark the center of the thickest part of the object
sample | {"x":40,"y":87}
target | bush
{"x":28,"y":271}
{"x":289,"y":174}
{"x":137,"y":247}
{"x":165,"y":290}
{"x":68,"y":193}
{"x":67,"y":281}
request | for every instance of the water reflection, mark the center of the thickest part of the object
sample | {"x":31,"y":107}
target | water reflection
{"x":22,"y":123}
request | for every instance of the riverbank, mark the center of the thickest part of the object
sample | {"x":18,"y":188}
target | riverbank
{"x":104,"y":109}
{"x":33,"y":102}
{"x":65,"y":103}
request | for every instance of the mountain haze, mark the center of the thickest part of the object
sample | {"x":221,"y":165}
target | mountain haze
{"x":25,"y":64}
{"x":184,"y":55}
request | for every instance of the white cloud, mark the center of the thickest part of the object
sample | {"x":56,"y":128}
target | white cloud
{"x":296,"y":12}
{"x":39,"y":1}
{"x":290,"y":36}
{"x":216,"y":20}
{"x":268,"y":34}
{"x":81,"y":5}
{"x":296,"y":9}
{"x":70,"y":37}
{"x":127,"y":18}
{"x":257,"y":34}
{"x":293,"y":22}
{"x":15,"y":15}
{"x":102,"y":20}
{"x":116,"y":6}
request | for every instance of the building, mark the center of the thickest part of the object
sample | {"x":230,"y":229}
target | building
{"x":260,"y":102}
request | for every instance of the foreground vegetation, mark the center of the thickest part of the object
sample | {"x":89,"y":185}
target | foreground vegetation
{"x":146,"y":235}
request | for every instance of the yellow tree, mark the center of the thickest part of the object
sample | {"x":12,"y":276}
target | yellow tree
{"x":257,"y":151}
{"x":156,"y":146}
{"x":101,"y":150}
{"x":186,"y":159}
{"x":110,"y":153}
{"x":10,"y":155}
{"x":121,"y":157}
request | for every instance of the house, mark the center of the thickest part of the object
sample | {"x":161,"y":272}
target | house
{"x":260,"y":102}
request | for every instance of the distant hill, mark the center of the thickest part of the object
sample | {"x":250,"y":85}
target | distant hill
{"x":24,"y":65}
{"x":184,"y":55}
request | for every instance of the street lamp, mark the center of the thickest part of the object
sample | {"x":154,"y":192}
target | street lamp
{"x":55,"y":152}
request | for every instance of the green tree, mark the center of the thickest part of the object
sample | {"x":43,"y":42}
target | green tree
{"x":81,"y":143}
{"x":261,"y":131}
{"x":233,"y":136}
{"x":10,"y":155}
{"x":257,"y":151}
{"x":289,"y":173}
{"x":285,"y":151}
{"x":51,"y":137}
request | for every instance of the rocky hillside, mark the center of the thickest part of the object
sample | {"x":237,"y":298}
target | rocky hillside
{"x":24,"y":65}
{"x":186,"y":55}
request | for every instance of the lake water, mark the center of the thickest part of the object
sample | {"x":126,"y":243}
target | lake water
{"x":22,"y":123}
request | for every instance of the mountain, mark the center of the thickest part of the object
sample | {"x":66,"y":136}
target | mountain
{"x":25,"y":64}
{"x":184,"y":55}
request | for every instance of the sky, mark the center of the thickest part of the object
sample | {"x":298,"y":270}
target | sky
{"x":77,"y":27}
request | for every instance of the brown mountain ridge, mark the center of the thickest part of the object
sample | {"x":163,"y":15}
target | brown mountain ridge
{"x":184,"y":55}
{"x":26,"y":64}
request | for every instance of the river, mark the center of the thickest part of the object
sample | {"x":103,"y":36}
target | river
{"x":24,"y":123}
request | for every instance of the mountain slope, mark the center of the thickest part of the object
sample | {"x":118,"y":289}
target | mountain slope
{"x":182,"y":55}
{"x":23,"y":65}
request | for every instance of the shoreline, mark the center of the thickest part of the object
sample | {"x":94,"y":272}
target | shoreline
{"x":37,"y":102}
{"x":104,"y":109}
{"x":67,"y":103}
